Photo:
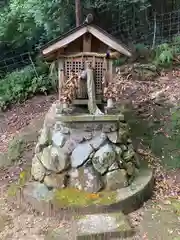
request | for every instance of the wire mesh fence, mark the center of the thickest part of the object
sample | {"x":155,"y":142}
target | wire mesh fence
{"x":132,"y":26}
{"x":144,"y":26}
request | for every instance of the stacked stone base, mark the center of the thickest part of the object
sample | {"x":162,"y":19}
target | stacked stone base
{"x":89,"y":153}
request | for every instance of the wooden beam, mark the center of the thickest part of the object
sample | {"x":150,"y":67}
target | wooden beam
{"x":65,"y":41}
{"x":87,"y":42}
{"x":113,"y":55}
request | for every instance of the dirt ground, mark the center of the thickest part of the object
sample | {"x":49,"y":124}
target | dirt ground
{"x":157,"y":220}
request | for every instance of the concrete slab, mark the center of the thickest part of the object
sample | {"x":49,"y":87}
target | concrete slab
{"x":103,"y":226}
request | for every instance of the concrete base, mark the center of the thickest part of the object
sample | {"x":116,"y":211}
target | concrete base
{"x":127,"y":200}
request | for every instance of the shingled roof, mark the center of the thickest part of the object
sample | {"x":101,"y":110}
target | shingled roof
{"x":77,"y":32}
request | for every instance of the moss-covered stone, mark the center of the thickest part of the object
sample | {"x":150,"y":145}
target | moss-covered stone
{"x":73,"y":197}
{"x":15,"y":149}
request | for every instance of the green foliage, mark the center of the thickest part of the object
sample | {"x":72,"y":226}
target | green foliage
{"x":21,"y":84}
{"x":165,"y":53}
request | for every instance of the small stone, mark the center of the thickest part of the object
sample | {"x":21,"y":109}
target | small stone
{"x":64,"y":130}
{"x":57,"y":126}
{"x":80,"y":154}
{"x":37,"y":170}
{"x":113,"y":167}
{"x":123,"y":133}
{"x":58,"y":139}
{"x":119,"y":153}
{"x":129,"y":154}
{"x":55,"y":159}
{"x":129,"y":140}
{"x":130,"y":168}
{"x":124,"y":147}
{"x":77,"y":135}
{"x":113,"y":137}
{"x":55,"y":180}
{"x":116,"y":179}
{"x":98,"y":141}
{"x":69,"y":146}
{"x":104,"y":158}
{"x":88,"y":136}
{"x":44,"y":138}
{"x":107,"y":128}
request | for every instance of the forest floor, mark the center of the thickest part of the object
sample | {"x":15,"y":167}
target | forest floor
{"x":158,"y":219}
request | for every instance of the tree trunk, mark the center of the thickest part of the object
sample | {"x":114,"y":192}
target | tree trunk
{"x":78,"y":12}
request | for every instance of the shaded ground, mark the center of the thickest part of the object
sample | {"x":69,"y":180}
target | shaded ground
{"x":158,"y":220}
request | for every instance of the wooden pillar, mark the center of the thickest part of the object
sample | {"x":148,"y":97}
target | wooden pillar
{"x":60,"y":76}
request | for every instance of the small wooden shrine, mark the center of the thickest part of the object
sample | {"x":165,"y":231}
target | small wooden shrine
{"x":86,"y":46}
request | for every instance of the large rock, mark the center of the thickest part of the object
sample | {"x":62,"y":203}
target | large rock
{"x":123,"y":133}
{"x":92,"y":180}
{"x":119,"y":153}
{"x":55,"y":159}
{"x":75,"y":178}
{"x":116,"y":179}
{"x":98,"y":140}
{"x":69,"y":146}
{"x":81,"y":154}
{"x":77,"y":135}
{"x":44,"y":139}
{"x":85,"y":178}
{"x":113,"y":137}
{"x":129,"y":154}
{"x":38,"y":171}
{"x":58,"y":139}
{"x":104,"y":158}
{"x":50,"y":118}
{"x":55,"y":180}
{"x":130,"y":168}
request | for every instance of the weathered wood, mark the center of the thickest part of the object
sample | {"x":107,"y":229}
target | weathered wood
{"x":64,"y":41}
{"x":60,"y":76}
{"x":92,"y":107}
{"x":88,"y":54}
{"x":87,"y":42}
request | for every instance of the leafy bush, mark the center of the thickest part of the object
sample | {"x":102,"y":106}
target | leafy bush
{"x":22,"y":84}
{"x":165,"y":53}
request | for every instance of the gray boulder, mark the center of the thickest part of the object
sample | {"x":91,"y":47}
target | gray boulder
{"x":98,"y":140}
{"x":55,"y":180}
{"x":55,"y":159}
{"x":129,"y":154}
{"x":85,"y":178}
{"x":58,"y":139}
{"x":80,"y":154}
{"x":116,"y":179}
{"x":104,"y":158}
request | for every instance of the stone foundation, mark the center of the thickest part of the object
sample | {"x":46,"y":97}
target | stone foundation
{"x":86,"y":152}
